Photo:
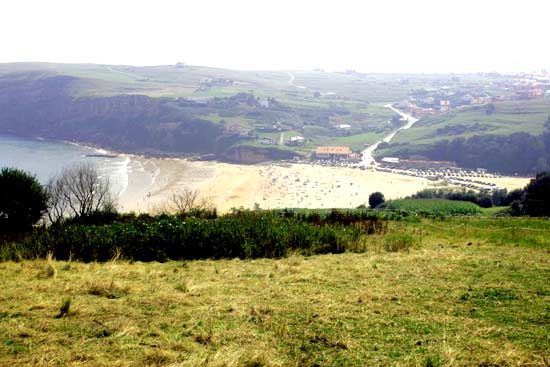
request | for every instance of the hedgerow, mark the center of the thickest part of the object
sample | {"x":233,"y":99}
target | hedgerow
{"x":242,"y":234}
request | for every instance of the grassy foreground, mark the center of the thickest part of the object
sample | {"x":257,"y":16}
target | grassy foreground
{"x":432,"y":293}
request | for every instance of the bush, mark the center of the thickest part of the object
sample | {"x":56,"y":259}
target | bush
{"x":23,"y":201}
{"x":375,"y":199}
{"x":242,"y":234}
{"x":434,"y":207}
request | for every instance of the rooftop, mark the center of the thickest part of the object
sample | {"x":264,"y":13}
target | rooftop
{"x":333,"y":150}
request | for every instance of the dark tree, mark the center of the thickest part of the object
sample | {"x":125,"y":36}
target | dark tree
{"x":375,"y":199}
{"x":23,"y":201}
{"x":516,"y":208}
{"x":490,"y":109}
{"x":513,"y":195}
{"x":537,"y":196}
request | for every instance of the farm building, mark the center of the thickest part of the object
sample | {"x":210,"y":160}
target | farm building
{"x":267,"y":141}
{"x":333,"y":153}
{"x":296,"y":140}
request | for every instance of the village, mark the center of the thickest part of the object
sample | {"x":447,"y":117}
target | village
{"x":525,"y":86}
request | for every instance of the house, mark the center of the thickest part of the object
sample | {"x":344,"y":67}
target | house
{"x":296,"y":140}
{"x":267,"y":141}
{"x":444,"y":105}
{"x":421,"y":112}
{"x":333,"y":153}
{"x":390,"y":160}
{"x":343,"y":127}
{"x":536,"y":92}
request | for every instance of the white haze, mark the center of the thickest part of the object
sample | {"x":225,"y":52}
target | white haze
{"x":369,"y":36}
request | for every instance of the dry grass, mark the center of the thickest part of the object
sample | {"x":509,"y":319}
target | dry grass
{"x":437,"y":304}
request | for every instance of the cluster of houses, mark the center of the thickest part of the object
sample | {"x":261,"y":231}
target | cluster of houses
{"x":206,"y":83}
{"x":431,"y":101}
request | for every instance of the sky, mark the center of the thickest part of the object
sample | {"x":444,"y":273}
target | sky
{"x":410,"y":36}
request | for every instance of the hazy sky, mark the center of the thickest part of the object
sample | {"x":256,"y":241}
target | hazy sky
{"x":369,"y":36}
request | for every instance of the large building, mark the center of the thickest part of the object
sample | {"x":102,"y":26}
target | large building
{"x":333,"y":153}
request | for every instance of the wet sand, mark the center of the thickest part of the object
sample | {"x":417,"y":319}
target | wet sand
{"x":152,"y":181}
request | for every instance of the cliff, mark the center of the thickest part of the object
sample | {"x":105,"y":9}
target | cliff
{"x":41,"y":105}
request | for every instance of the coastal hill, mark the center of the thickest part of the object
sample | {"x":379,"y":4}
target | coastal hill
{"x":254,"y":116}
{"x":178,"y":110}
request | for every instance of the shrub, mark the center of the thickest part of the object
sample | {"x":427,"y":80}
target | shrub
{"x":23,"y":201}
{"x":375,"y":199}
{"x":243,"y":234}
{"x":434,"y":207}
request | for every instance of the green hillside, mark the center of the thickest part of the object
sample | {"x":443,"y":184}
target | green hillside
{"x":508,"y":118}
{"x":512,"y":139}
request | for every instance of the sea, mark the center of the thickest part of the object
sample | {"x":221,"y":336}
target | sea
{"x":45,"y":159}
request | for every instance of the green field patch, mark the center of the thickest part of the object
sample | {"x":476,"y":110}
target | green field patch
{"x":435,"y":207}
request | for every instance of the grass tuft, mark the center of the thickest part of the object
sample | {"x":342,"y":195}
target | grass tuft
{"x":395,"y":242}
{"x":110,"y":291}
{"x":64,"y":309}
{"x":48,"y":270}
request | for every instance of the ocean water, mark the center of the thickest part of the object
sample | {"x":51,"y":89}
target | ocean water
{"x":47,"y":158}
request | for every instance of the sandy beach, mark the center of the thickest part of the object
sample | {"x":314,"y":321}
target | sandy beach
{"x":152,"y":181}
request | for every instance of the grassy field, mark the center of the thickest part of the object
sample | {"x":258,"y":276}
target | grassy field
{"x":468,"y":292}
{"x":509,"y":117}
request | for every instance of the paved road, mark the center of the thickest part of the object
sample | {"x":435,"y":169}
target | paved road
{"x":366,"y":158}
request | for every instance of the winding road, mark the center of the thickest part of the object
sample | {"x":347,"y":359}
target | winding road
{"x":366,"y":156}
{"x":291,"y":81}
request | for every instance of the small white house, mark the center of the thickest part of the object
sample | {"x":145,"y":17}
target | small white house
{"x":296,"y":140}
{"x":390,"y":160}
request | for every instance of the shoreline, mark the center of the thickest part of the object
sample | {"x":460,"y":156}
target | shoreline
{"x":270,"y":185}
{"x":145,"y":183}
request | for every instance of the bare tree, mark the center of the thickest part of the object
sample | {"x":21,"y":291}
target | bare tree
{"x":184,"y":202}
{"x":79,"y":191}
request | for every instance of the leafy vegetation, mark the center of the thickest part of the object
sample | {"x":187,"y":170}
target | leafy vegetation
{"x":243,"y":234}
{"x":434,"y":207}
{"x":376,"y":199}
{"x":483,"y":199}
{"x":23,"y":201}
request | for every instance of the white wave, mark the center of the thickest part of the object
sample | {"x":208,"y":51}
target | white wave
{"x":123,"y":173}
